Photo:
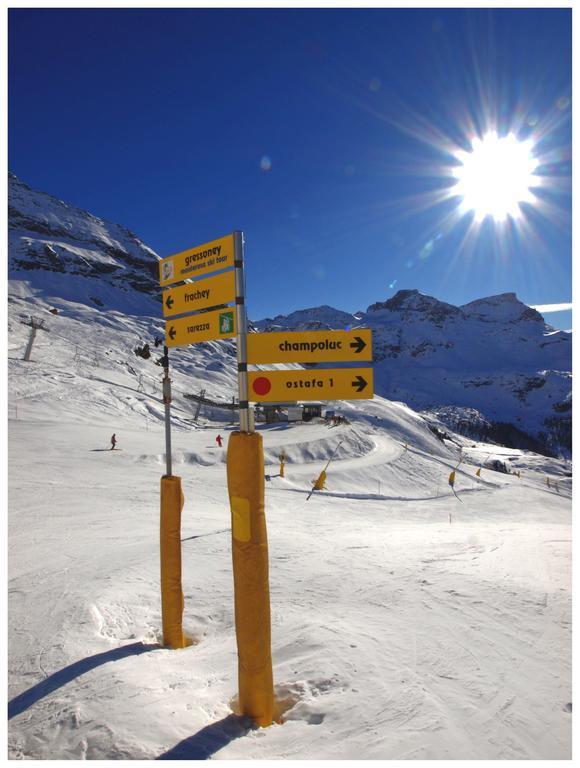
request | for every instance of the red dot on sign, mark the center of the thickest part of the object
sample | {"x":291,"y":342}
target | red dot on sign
{"x":261,"y":385}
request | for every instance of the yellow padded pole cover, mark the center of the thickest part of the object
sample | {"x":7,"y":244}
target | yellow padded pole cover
{"x":245,"y":468}
{"x":171,"y":592}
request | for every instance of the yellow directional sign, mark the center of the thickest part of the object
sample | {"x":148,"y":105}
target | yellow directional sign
{"x":206,"y":326}
{"x":310,"y":346}
{"x":329,"y":384}
{"x":218,"y":254}
{"x":202,"y":294}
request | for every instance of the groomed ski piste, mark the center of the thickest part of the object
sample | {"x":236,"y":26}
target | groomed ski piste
{"x":406,"y":624}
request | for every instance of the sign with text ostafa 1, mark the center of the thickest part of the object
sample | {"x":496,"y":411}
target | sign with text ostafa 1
{"x":210,"y":257}
{"x":204,"y":326}
{"x":310,"y":346}
{"x":191,"y":297}
{"x":321,"y":384}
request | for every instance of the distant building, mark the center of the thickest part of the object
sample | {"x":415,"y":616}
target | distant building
{"x":291,"y":412}
{"x":274,"y":412}
{"x":294,"y":413}
{"x":311,"y":411}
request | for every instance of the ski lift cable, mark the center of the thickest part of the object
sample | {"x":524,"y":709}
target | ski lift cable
{"x":74,"y":344}
{"x":92,"y":353}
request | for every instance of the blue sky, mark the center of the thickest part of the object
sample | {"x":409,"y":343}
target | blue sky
{"x":324,"y":135}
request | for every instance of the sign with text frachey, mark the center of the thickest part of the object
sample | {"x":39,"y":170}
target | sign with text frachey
{"x":204,"y":301}
{"x":202,"y":294}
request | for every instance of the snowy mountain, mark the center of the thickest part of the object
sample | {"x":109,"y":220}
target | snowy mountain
{"x":495,"y":355}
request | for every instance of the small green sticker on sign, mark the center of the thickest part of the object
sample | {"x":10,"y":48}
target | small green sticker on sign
{"x":226,"y":322}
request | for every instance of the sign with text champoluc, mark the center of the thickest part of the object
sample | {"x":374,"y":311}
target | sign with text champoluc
{"x":191,"y":297}
{"x":324,"y":384}
{"x":218,"y":254}
{"x":205,"y":326}
{"x":310,"y":346}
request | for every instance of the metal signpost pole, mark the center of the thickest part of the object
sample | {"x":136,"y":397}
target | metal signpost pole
{"x":167,"y":403}
{"x":241,"y":333}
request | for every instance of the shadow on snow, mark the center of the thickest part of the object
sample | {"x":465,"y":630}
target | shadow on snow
{"x":205,"y":743}
{"x":66,"y":675}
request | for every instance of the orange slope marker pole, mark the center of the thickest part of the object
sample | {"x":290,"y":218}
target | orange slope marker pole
{"x":319,"y":482}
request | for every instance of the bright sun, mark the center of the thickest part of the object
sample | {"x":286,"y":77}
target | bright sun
{"x":495,"y":177}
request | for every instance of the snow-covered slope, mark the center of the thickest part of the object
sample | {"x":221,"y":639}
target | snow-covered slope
{"x":412,"y":624}
{"x":406,"y":623}
{"x":496,"y":355}
{"x":67,"y":253}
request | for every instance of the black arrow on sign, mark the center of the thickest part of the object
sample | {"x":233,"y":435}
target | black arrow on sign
{"x":172,"y":333}
{"x":169,"y":302}
{"x":358,"y":344}
{"x":359,"y":383}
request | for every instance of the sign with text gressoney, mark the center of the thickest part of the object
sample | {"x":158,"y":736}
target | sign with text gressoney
{"x":210,"y":257}
{"x":191,"y":297}
{"x":321,"y":384}
{"x":205,"y":326}
{"x":310,"y":346}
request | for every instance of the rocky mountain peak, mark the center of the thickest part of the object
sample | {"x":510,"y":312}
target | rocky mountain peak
{"x":504,"y":307}
{"x":408,"y":301}
{"x":312,"y":318}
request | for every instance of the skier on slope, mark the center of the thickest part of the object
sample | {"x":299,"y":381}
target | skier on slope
{"x":113,"y":442}
{"x":218,"y":440}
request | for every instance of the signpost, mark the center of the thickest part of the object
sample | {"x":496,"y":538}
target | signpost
{"x":319,"y":384}
{"x":197,"y":311}
{"x":206,"y":326}
{"x":192,"y":297}
{"x":310,"y":346}
{"x":210,"y":257}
